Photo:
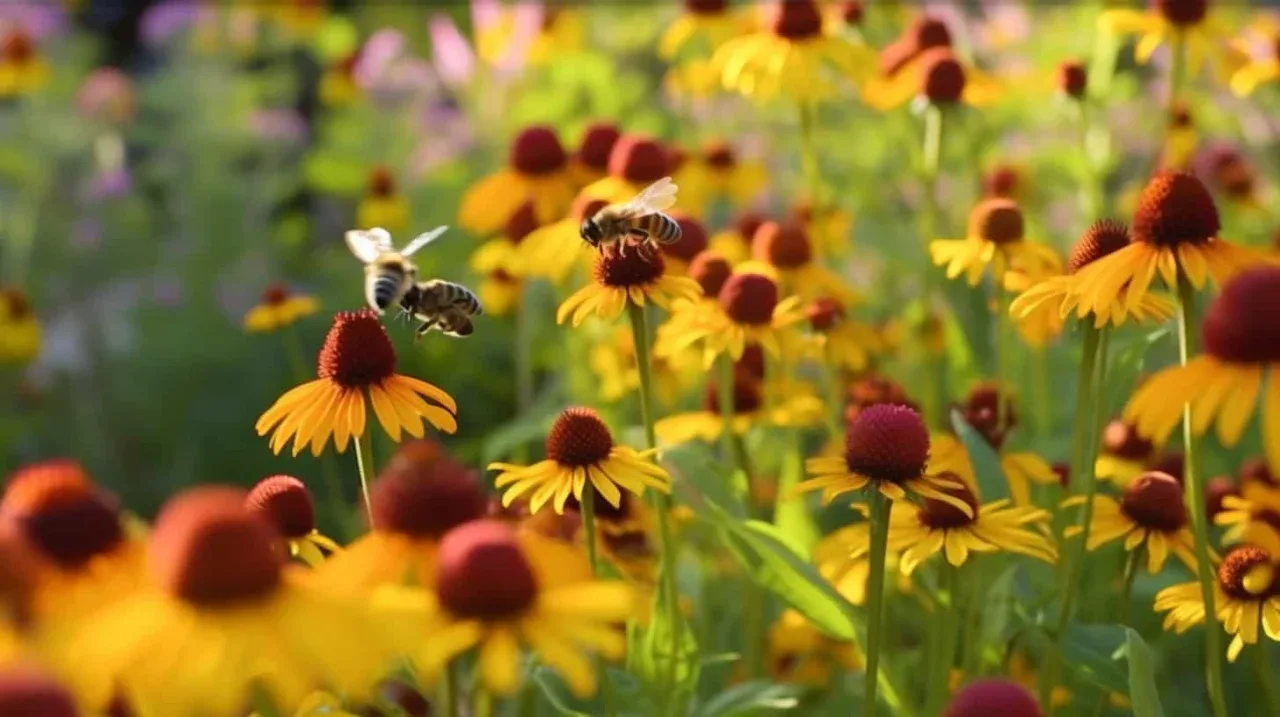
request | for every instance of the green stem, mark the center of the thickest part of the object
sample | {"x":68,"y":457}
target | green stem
{"x":263,"y":704}
{"x":834,"y":414}
{"x":449,"y":701}
{"x":948,"y":629}
{"x":669,"y":596}
{"x":593,"y":554}
{"x":1177,"y":77}
{"x":1187,"y":341}
{"x":1266,"y":676}
{"x":935,"y":367}
{"x":812,"y":173}
{"x":524,"y":365}
{"x":1002,"y":371}
{"x":728,"y":439}
{"x":1090,"y":193}
{"x":364,"y":463}
{"x":1043,"y":401}
{"x":293,"y":349}
{"x":879,"y":517}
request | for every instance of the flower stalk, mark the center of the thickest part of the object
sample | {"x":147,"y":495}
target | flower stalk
{"x":364,"y":464}
{"x":935,"y":366}
{"x":879,"y":518}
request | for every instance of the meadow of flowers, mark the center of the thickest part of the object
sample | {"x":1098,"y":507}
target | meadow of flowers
{"x":957,"y":394}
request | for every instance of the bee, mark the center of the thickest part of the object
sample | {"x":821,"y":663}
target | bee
{"x":441,"y":305}
{"x":641,"y":218}
{"x":388,"y":273}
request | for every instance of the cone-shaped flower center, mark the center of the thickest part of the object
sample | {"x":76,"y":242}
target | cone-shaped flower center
{"x":1072,"y":79}
{"x":747,"y":223}
{"x":1216,"y":490}
{"x":706,"y":7}
{"x":824,"y":314}
{"x":585,"y":207}
{"x":719,"y":155}
{"x":208,"y":550}
{"x":711,"y":271}
{"x":597,"y":144}
{"x":61,"y":514}
{"x":15,"y":304}
{"x":16,"y":47}
{"x":25,"y":690}
{"x":887,"y":443}
{"x":782,"y":244}
{"x":1175,"y":208}
{"x":986,"y":698}
{"x":637,"y":267}
{"x":1103,"y":237}
{"x":981,"y":411}
{"x":357,"y":352}
{"x":275,"y":294}
{"x":1247,"y":573}
{"x":872,"y":391}
{"x":1255,"y":469}
{"x":997,"y":220}
{"x":537,"y":151}
{"x":943,"y":77}
{"x":1122,"y":440}
{"x":579,"y":438}
{"x":940,"y":515}
{"x":1154,"y":500}
{"x":482,"y":574}
{"x":1243,"y":323}
{"x":521,"y":223}
{"x":795,"y":19}
{"x":425,"y":500}
{"x":927,"y":32}
{"x":638,"y":159}
{"x":1002,"y":181}
{"x":1183,"y":13}
{"x":749,"y":299}
{"x":285,"y":503}
{"x":382,"y":183}
{"x":747,"y":397}
{"x":852,"y":12}
{"x":693,"y":238}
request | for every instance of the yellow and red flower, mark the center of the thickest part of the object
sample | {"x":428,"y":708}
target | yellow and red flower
{"x":279,"y":308}
{"x":537,"y":170}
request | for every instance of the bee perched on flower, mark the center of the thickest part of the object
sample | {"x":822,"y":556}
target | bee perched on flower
{"x":286,"y":503}
{"x":793,"y":54}
{"x":996,"y":238}
{"x":382,"y":205}
{"x":1185,"y":22}
{"x":357,"y":359}
{"x":1247,"y":597}
{"x":1149,"y":515}
{"x":634,"y":277}
{"x":22,"y":69}
{"x":278,"y":309}
{"x":786,"y":247}
{"x":537,"y":170}
{"x":20,"y":334}
{"x":552,"y":251}
{"x":795,"y":407}
{"x":692,"y":242}
{"x":704,"y":25}
{"x":590,"y":162}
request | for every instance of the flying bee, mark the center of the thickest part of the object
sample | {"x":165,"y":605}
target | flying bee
{"x":641,"y":218}
{"x":388,"y":273}
{"x":441,"y":305}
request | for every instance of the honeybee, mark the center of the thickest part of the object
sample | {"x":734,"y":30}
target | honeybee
{"x":388,"y":273}
{"x":642,"y":218}
{"x":441,"y":305}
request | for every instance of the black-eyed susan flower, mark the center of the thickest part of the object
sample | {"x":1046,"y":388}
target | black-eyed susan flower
{"x":1246,"y":596}
{"x":1231,"y":175}
{"x":750,"y":311}
{"x":801,"y":654}
{"x":787,"y":248}
{"x":1258,"y":53}
{"x":703,"y":24}
{"x":20,"y":334}
{"x":286,"y":503}
{"x":1184,"y":22}
{"x":419,"y":496}
{"x":221,"y":613}
{"x":1150,"y":514}
{"x":552,"y":251}
{"x":498,"y":592}
{"x":842,"y":341}
{"x":635,"y":277}
{"x":734,"y":241}
{"x":1175,"y":229}
{"x":500,"y":292}
{"x":279,"y":307}
{"x":1056,"y":295}
{"x":20,"y":570}
{"x":563,"y":30}
{"x":537,"y":170}
{"x":711,"y":271}
{"x":26,"y":689}
{"x":886,"y":449}
{"x":935,"y":76}
{"x":1252,"y":516}
{"x":993,"y":696}
{"x":383,"y":205}
{"x":727,"y":176}
{"x":793,"y":54}
{"x":1124,"y":454}
{"x":357,"y":358}
{"x":795,"y":407}
{"x":590,"y":162}
{"x":504,"y":253}
{"x":338,"y":87}
{"x":829,"y":225}
{"x":635,"y":162}
{"x":923,"y":33}
{"x":996,"y":237}
{"x":22,"y":69}
{"x":581,"y":452}
{"x":1241,"y":352}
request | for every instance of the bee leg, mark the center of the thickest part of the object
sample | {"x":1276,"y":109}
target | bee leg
{"x":422,"y":330}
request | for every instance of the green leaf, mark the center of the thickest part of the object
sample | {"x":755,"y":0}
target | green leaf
{"x":792,"y":515}
{"x":1142,"y":677}
{"x":1090,"y":651}
{"x":554,"y":690}
{"x":531,"y":426}
{"x":749,"y":698}
{"x":992,"y":484}
{"x":776,"y":565}
{"x":709,"y":478}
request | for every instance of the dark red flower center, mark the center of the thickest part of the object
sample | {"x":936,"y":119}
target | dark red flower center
{"x":1103,"y":237}
{"x":926,"y":33}
{"x":824,"y":314}
{"x":209,"y":550}
{"x":747,"y":396}
{"x":537,"y":151}
{"x":25,"y":690}
{"x":1002,"y":182}
{"x":638,"y":159}
{"x":597,"y":144}
{"x":1153,"y":500}
{"x":997,"y":220}
{"x":749,"y":299}
{"x":1256,"y":469}
{"x":286,"y":503}
{"x":635,"y":267}
{"x":887,"y":443}
{"x":1242,"y":325}
{"x":747,"y":223}
{"x":1216,"y":490}
{"x":711,"y":271}
{"x":795,"y":19}
{"x":15,"y":302}
{"x":706,"y":7}
{"x":62,"y":514}
{"x":942,"y":76}
{"x":1171,"y":463}
{"x":783,"y":244}
{"x":382,"y":183}
{"x":981,"y":411}
{"x":1175,"y":208}
{"x":852,"y":12}
{"x":1122,"y":440}
{"x":521,"y":223}
{"x":1073,"y":80}
{"x":356,"y":351}
{"x":751,"y":365}
{"x":585,"y":206}
{"x":1183,"y":13}
{"x":404,"y":697}
{"x":1247,"y":573}
{"x":16,"y":48}
{"x":425,"y":498}
{"x":1180,"y":115}
{"x":872,"y":391}
{"x":482,"y":574}
{"x":275,"y":294}
{"x":719,"y":155}
{"x":693,"y":238}
{"x":579,"y":438}
{"x":987,"y":698}
{"x":941,"y":515}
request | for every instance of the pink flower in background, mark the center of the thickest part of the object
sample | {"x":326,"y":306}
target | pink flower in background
{"x":36,"y":19}
{"x":162,"y":21}
{"x":109,"y":183}
{"x":386,"y":71}
{"x":503,"y":38}
{"x":454,"y":60}
{"x":279,"y":125}
{"x":447,"y":135}
{"x":107,"y":95}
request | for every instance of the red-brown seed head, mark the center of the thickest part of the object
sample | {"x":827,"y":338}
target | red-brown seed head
{"x":579,"y":438}
{"x":15,"y":304}
{"x":209,"y":550}
{"x":1248,"y":573}
{"x":275,"y":294}
{"x":1073,"y":79}
{"x":942,"y":76}
{"x":852,"y":13}
{"x":1175,"y":208}
{"x":1002,"y":182}
{"x":998,"y":221}
{"x":1122,"y":440}
{"x":597,"y":144}
{"x":1171,"y":463}
{"x":29,"y":692}
{"x":537,"y":151}
{"x":693,"y":238}
{"x":751,"y":365}
{"x":981,"y":411}
{"x":585,"y":207}
{"x":824,"y":314}
{"x":783,"y":244}
{"x":482,"y":574}
{"x":941,"y":515}
{"x":887,"y":443}
{"x":356,"y":351}
{"x":719,"y":155}
{"x":634,"y":268}
{"x":926,"y":33}
{"x":285,"y":502}
{"x":61,"y":513}
{"x":16,"y":47}
{"x":676,"y":157}
{"x":1153,"y":500}
{"x":749,"y":299}
{"x":382,"y":183}
{"x":1257,"y":470}
{"x":747,"y":395}
{"x":1180,"y":116}
{"x":711,"y":271}
{"x":638,"y":159}
{"x":871,"y":391}
{"x":1183,"y":13}
{"x":1242,"y":325}
{"x":1216,"y":490}
{"x":794,"y":19}
{"x":987,"y":698}
{"x":706,"y":7}
{"x":747,"y":223}
{"x":425,"y":499}
{"x":521,"y":223}
{"x":1063,"y":470}
{"x":1102,"y":238}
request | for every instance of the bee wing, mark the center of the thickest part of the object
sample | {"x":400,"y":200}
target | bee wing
{"x":368,"y":244}
{"x":422,"y":240}
{"x":657,"y":197}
